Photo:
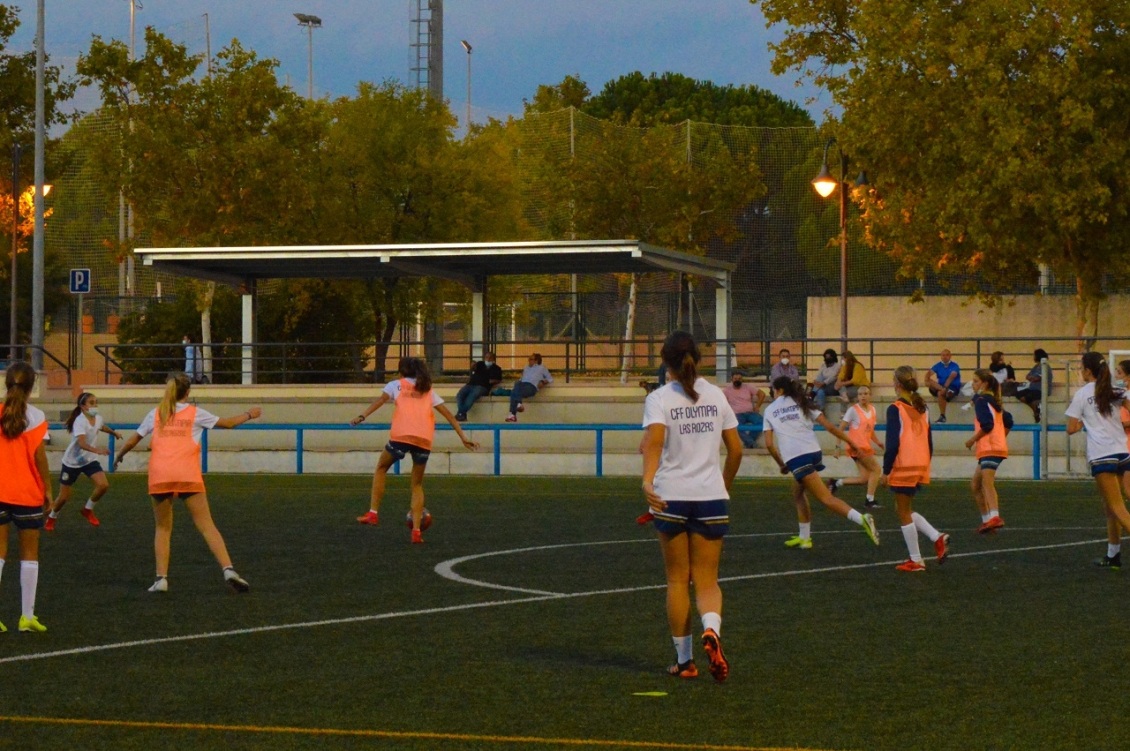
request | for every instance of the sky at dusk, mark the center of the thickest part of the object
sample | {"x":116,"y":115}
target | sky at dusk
{"x":517,"y":44}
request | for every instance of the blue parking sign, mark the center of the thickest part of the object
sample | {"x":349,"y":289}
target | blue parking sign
{"x":80,"y":281}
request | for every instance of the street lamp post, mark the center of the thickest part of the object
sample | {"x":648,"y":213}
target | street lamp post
{"x":16,"y":152}
{"x":311,"y":23}
{"x":467,"y":46}
{"x":825,"y":184}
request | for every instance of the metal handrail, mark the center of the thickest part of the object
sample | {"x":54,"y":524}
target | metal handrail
{"x":39,"y":348}
{"x":599,"y":429}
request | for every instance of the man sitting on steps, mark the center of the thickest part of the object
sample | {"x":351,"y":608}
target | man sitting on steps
{"x":533,"y":376}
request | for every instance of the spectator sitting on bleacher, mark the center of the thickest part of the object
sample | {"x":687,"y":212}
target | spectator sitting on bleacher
{"x":746,"y":402}
{"x":1029,"y":391}
{"x":944,"y":381}
{"x":783,"y":368}
{"x":533,"y":376}
{"x":852,"y":376}
{"x":824,"y":384}
{"x":1003,"y":372}
{"x":485,"y":375}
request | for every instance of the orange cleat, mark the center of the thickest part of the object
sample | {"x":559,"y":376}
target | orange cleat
{"x":942,"y":548}
{"x":369,"y":517}
{"x":49,"y":524}
{"x":719,"y":665}
{"x":683,"y":670}
{"x":417,"y":537}
{"x":990,"y":526}
{"x":90,"y":517}
{"x":911,"y":566}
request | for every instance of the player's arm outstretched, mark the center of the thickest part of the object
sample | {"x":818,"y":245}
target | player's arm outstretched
{"x":380,"y":402}
{"x":467,"y":442}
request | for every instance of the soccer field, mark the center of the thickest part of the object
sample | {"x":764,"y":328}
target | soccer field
{"x":533,"y":617}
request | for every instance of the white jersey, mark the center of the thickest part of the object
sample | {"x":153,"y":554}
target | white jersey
{"x":689,"y":467}
{"x":392,"y":388}
{"x":75,"y":456}
{"x":205,"y":420}
{"x":1105,"y":436}
{"x":792,"y":430}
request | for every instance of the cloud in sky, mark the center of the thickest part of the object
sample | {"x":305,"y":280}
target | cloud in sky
{"x":518,"y":44}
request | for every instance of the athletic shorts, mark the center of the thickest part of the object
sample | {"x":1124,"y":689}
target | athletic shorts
{"x":903,"y":490}
{"x":860,"y":455}
{"x":24,"y":517}
{"x":1116,"y":464}
{"x":710,"y":519}
{"x":990,"y":462}
{"x":176,"y":495}
{"x":804,"y":465}
{"x":70,"y":475}
{"x":399,"y":450}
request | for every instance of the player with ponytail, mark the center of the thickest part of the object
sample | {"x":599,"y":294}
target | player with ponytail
{"x":906,"y":467}
{"x":177,"y":428}
{"x":81,"y":458}
{"x":990,"y":437}
{"x":25,"y":487}
{"x":790,"y":437}
{"x":413,"y":430}
{"x":1095,"y":407}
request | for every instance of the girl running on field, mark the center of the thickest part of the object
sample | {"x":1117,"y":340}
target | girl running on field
{"x":1123,"y":373}
{"x":413,"y":430}
{"x":790,"y":438}
{"x":1094,"y":407}
{"x":906,"y":466}
{"x":990,"y":437}
{"x":685,"y":422}
{"x":859,"y":424}
{"x":174,"y":472}
{"x":25,"y":487}
{"x":81,"y":458}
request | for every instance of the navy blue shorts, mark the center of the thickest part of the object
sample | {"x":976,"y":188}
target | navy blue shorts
{"x":710,"y":519}
{"x":804,"y":465}
{"x":399,"y":450}
{"x":174,"y":496}
{"x":906,"y":490}
{"x":990,"y":462}
{"x":1116,"y":464}
{"x":70,"y":475}
{"x":24,"y":517}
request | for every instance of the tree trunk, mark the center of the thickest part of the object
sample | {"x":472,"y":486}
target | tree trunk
{"x":1086,"y":312}
{"x":206,"y":331}
{"x":629,"y":332}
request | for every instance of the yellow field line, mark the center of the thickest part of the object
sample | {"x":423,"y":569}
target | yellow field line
{"x":283,"y":730}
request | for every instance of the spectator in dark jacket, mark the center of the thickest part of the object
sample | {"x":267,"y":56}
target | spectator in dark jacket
{"x":485,"y":375}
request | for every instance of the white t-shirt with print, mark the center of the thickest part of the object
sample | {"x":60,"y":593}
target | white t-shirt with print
{"x":205,"y":420}
{"x":689,"y":468}
{"x":75,"y":456}
{"x":392,"y":388}
{"x":792,"y":430}
{"x":1105,"y":436}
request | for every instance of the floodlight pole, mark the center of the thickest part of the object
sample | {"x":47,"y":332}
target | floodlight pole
{"x":823,"y":179}
{"x":467,"y":46}
{"x":37,"y":256}
{"x":311,"y":23}
{"x":16,"y":152}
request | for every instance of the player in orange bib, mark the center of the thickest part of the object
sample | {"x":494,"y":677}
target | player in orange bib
{"x":859,"y":424}
{"x":413,"y":430}
{"x":174,"y":472}
{"x":991,"y":441}
{"x":906,"y":466}
{"x":25,"y":484}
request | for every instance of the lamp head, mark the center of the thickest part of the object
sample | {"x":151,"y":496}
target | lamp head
{"x":305,"y":19}
{"x":466,"y":45}
{"x":824,"y":183}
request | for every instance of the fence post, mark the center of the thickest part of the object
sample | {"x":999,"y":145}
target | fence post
{"x":298,"y":448}
{"x":113,"y":453}
{"x":599,"y":452}
{"x":1045,"y":375}
{"x":1037,"y":455}
{"x":204,"y":452}
{"x":497,"y":451}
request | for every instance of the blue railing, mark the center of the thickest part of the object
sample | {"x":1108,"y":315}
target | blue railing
{"x":300,"y":430}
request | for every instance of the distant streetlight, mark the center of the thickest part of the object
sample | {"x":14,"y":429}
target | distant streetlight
{"x":825,"y":184}
{"x":17,"y":197}
{"x":467,"y":46}
{"x":311,"y":23}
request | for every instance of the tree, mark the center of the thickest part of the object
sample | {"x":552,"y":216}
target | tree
{"x":994,"y":132}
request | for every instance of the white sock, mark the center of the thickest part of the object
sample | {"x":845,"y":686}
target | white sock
{"x":871,"y":497}
{"x":855,"y":516}
{"x":805,"y":530}
{"x":910,"y":534}
{"x":839,"y":483}
{"x":1111,"y":551}
{"x":52,"y":515}
{"x":925,"y":527}
{"x":89,"y":504}
{"x":993,"y":513}
{"x":1,"y":568}
{"x":29,"y":580}
{"x":683,"y":648}
{"x":986,"y":517}
{"x":712,"y":620}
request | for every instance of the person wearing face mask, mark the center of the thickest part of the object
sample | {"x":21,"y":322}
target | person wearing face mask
{"x":485,"y":375}
{"x":746,"y":402}
{"x":192,"y":365}
{"x":824,"y":385}
{"x":81,"y":458}
{"x":783,"y":368}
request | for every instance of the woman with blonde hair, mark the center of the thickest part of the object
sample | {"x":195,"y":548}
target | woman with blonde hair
{"x":174,"y":472}
{"x":859,"y":424}
{"x":906,"y":467}
{"x":25,"y":490}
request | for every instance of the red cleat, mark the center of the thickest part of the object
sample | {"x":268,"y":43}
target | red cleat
{"x":90,"y":517}
{"x":719,"y":665}
{"x":49,"y":524}
{"x":683,"y":670}
{"x":417,"y":537}
{"x":991,"y":526}
{"x":910,"y":566}
{"x":644,"y":518}
{"x":942,"y":548}
{"x":369,"y":517}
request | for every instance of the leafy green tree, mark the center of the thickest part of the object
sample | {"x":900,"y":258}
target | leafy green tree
{"x":994,"y":132}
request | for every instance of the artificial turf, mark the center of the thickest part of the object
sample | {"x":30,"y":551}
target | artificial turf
{"x":349,"y":629}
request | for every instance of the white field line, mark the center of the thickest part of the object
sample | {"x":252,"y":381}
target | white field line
{"x":495,"y":603}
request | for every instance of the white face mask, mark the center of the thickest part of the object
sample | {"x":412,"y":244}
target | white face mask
{"x":784,"y":361}
{"x":1120,"y":384}
{"x":92,"y":412}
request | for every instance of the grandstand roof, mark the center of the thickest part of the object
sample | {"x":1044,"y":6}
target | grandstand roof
{"x":463,"y":262}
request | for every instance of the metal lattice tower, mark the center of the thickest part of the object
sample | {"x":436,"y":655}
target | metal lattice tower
{"x":427,"y":44}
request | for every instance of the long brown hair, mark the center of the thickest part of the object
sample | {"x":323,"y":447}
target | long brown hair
{"x":414,"y":367}
{"x":681,"y":356}
{"x":20,"y":380}
{"x":1104,"y":389}
{"x":849,"y":364}
{"x":82,"y":399}
{"x":907,"y":381}
{"x":176,"y":389}
{"x":986,"y":376}
{"x":794,"y":391}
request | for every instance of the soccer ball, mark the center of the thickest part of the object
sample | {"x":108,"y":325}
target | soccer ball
{"x":425,"y":520}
